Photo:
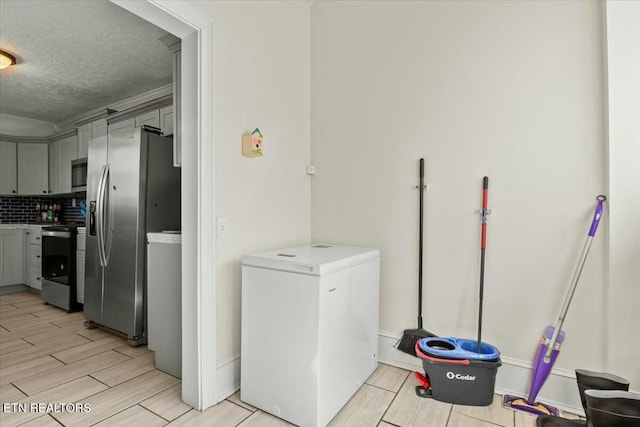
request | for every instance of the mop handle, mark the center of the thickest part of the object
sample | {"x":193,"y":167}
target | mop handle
{"x":420,"y":242}
{"x":483,"y":246}
{"x":485,"y":211}
{"x":576,"y":276}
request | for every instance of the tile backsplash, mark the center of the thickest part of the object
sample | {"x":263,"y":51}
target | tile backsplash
{"x":22,"y":209}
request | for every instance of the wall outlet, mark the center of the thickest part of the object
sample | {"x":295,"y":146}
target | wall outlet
{"x":221,"y":225}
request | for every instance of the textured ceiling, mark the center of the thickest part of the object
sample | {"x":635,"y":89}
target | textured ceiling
{"x":76,"y":56}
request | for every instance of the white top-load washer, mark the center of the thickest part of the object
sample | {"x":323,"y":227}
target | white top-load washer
{"x":309,"y":329}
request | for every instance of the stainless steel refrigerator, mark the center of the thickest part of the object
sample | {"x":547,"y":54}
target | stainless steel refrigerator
{"x":132,"y":189}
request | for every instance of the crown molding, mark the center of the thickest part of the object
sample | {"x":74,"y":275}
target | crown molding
{"x":171,"y":42}
{"x":21,"y":139}
{"x":143,"y":98}
{"x":92,"y":116}
{"x":119,"y":106}
{"x":61,"y":135}
{"x":24,"y":126}
{"x":140,"y":108}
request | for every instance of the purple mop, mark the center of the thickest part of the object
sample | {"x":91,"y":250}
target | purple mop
{"x":553,"y":337}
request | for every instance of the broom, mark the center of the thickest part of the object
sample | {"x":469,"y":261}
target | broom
{"x":411,"y":336}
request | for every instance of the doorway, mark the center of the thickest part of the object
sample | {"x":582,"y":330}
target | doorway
{"x":197,"y":205}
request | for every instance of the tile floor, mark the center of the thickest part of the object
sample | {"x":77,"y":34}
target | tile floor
{"x":46,"y":355}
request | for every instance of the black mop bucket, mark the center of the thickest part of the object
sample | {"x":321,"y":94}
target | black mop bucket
{"x":464,"y":378}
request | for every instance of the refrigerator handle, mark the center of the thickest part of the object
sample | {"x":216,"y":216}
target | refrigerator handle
{"x":106,"y":226}
{"x":100,"y":216}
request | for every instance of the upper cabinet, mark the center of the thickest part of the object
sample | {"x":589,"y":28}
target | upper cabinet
{"x":8,"y":168}
{"x":33,"y":169}
{"x":36,"y":166}
{"x":147,"y":114}
{"x":166,"y":120}
{"x":171,"y":123}
{"x":150,"y":118}
{"x":24,"y":167}
{"x":89,"y":131}
{"x":177,"y":114}
{"x":129,"y":123}
{"x":64,"y":149}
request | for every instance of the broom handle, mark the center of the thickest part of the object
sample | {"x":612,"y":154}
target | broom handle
{"x":421,"y":189}
{"x":483,"y":246}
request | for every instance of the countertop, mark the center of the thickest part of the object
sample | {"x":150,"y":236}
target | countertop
{"x":23,"y":226}
{"x":165,"y":237}
{"x":31,"y":226}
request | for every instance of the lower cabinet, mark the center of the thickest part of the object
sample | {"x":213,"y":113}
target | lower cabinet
{"x":11,"y":257}
{"x":80,"y":276}
{"x":21,"y":257}
{"x":80,"y":256}
{"x":35,"y":270}
{"x":34,"y":278}
{"x":33,"y":258}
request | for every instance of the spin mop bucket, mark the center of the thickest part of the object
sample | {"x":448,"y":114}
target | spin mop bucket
{"x":463,"y":378}
{"x":463,"y":371}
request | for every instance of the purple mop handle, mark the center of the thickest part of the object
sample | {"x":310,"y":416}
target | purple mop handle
{"x":597,"y":215}
{"x":557,"y":328}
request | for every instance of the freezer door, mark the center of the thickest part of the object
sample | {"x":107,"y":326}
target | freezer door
{"x":123,"y":294}
{"x":93,"y":278}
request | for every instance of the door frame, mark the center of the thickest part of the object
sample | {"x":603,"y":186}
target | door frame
{"x":184,"y":20}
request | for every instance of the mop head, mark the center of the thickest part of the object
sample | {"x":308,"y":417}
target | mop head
{"x":521,"y":404}
{"x":409,"y":339}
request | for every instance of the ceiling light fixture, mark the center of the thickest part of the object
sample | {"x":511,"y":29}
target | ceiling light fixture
{"x":6,"y":60}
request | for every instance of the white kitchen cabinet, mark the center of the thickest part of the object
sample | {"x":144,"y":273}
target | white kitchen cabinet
{"x":80,"y":256}
{"x":145,"y":114}
{"x":98,"y":128}
{"x":123,"y":124}
{"x":85,"y":134}
{"x":89,"y":131}
{"x":80,"y":259}
{"x":33,"y":258}
{"x":166,"y":120}
{"x":11,"y":257}
{"x":150,"y":118}
{"x":63,"y":152}
{"x":8,"y":168}
{"x":177,"y":96}
{"x":33,"y":169}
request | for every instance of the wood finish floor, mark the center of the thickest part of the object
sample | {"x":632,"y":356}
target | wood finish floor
{"x":47,"y":356}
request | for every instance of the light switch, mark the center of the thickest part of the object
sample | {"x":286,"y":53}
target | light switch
{"x":221,"y":224}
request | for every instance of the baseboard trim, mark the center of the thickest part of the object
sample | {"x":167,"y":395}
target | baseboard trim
{"x":513,"y":376}
{"x":228,"y":378}
{"x":12,"y":289}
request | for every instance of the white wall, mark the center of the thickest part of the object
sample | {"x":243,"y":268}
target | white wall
{"x":511,"y":90}
{"x":623,"y":72}
{"x":261,"y":79}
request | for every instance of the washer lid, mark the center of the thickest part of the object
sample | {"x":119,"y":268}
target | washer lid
{"x":315,"y":259}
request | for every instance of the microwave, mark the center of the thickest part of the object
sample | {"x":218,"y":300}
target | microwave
{"x":79,"y":175}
